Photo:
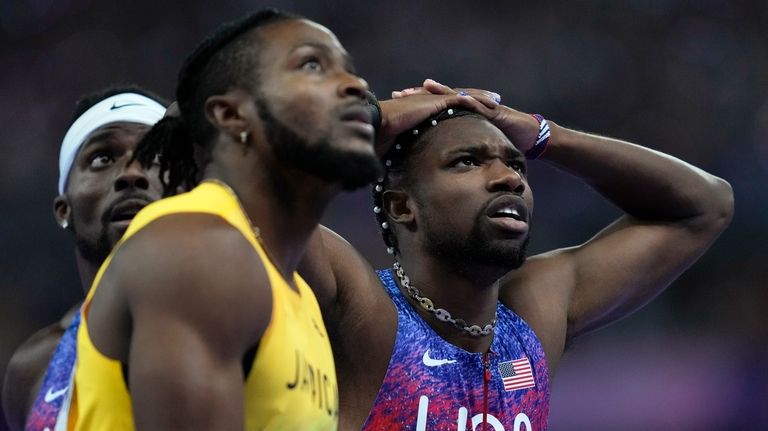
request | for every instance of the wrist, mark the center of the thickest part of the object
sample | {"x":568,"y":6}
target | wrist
{"x":542,"y":139}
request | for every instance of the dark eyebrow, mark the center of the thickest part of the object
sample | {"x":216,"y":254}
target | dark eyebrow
{"x":97,"y":137}
{"x":100,"y":136}
{"x":511,"y":152}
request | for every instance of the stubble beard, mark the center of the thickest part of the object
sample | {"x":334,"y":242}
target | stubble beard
{"x":95,"y":251}
{"x":476,"y":249}
{"x":350,"y":169}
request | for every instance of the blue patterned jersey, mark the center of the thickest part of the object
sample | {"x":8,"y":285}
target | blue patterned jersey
{"x":52,"y":402}
{"x":432,"y":385}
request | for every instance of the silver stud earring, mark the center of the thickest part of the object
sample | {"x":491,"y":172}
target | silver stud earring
{"x":64,"y":224}
{"x":243,"y":137}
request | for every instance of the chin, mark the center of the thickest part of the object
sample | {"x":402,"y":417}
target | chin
{"x":355,"y":145}
{"x":505,"y":254}
{"x":116,"y":233}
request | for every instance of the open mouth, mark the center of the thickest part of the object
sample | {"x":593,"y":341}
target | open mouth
{"x":357,"y":112}
{"x":124,"y":216}
{"x":509,"y":213}
{"x":358,"y":117}
{"x":123,"y":212}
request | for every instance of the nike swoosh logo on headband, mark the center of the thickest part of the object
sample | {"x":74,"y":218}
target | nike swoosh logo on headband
{"x":116,"y":106}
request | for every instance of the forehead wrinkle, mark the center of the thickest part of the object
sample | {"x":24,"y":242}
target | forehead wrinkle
{"x":106,"y":133}
{"x":311,"y":44}
{"x":486,"y":148}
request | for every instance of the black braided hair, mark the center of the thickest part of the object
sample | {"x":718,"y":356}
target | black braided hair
{"x":397,"y":169}
{"x":226,"y":59}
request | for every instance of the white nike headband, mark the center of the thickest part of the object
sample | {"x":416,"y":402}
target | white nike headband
{"x":124,"y":107}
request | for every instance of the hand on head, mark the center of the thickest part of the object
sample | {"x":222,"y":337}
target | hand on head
{"x":405,"y":112}
{"x":521,"y":128}
{"x":489,"y":99}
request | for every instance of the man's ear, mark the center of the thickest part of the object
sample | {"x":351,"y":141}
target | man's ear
{"x":62,"y":211}
{"x":399,"y":207}
{"x":230,"y":112}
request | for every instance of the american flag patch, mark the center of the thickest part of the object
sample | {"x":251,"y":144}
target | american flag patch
{"x":517,"y":374}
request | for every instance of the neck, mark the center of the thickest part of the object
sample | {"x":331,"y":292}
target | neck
{"x":87,"y":271}
{"x":463,"y":291}
{"x":285,"y":204}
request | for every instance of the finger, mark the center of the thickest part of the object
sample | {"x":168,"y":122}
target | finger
{"x":487,"y":98}
{"x":409,"y":92}
{"x":465,"y":101}
{"x":435,"y":87}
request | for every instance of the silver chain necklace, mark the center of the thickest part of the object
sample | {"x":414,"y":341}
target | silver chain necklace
{"x":441,"y":313}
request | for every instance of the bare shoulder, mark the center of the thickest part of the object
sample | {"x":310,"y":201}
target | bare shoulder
{"x":197,"y":299}
{"x":360,"y":318}
{"x":539,"y":293}
{"x":25,"y":373}
{"x":340,"y":276}
{"x":194,"y":266}
{"x":358,"y":313}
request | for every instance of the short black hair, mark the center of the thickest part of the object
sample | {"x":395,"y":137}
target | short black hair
{"x":398,"y":168}
{"x":216,"y":65}
{"x":86,"y":102}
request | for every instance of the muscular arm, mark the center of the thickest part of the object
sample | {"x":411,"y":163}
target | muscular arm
{"x":197,"y":304}
{"x":26,"y":371}
{"x":673,"y":212}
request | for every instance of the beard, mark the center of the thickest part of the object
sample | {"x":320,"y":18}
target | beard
{"x":94,"y":251}
{"x":478,"y":248}
{"x":350,"y":169}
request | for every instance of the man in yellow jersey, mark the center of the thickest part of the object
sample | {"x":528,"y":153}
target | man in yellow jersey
{"x":199,"y":310}
{"x":99,"y":192}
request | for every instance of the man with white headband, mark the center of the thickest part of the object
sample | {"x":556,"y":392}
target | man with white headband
{"x":100,"y":189}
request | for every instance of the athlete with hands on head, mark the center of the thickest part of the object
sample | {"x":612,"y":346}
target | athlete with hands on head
{"x":466,"y":329}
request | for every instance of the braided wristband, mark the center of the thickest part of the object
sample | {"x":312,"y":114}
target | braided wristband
{"x":542,"y":139}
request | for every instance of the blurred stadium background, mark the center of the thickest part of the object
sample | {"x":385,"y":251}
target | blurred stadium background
{"x":687,"y":77}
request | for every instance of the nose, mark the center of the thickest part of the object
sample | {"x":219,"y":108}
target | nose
{"x":505,"y":179}
{"x":352,"y":85}
{"x":132,"y":176}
